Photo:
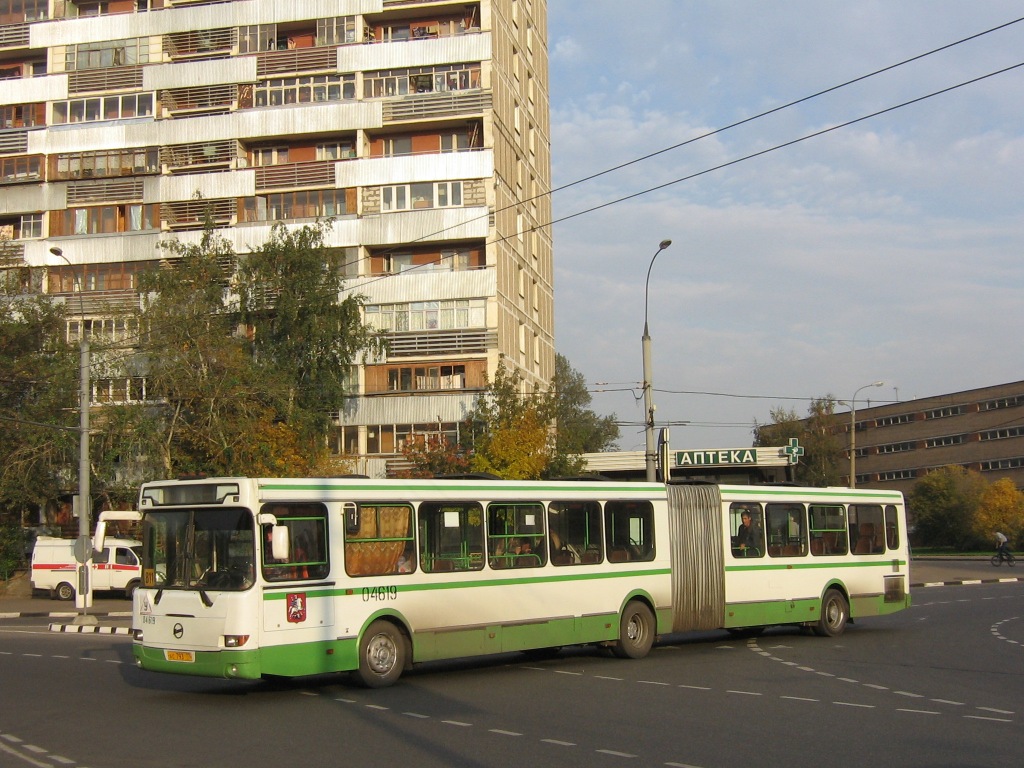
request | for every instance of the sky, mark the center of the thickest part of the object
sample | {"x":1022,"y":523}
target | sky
{"x":887,"y":250}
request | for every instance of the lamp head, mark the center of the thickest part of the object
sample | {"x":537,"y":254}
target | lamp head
{"x":664,"y":244}
{"x":56,"y":251}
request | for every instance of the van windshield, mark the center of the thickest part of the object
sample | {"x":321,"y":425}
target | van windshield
{"x":209,"y":549}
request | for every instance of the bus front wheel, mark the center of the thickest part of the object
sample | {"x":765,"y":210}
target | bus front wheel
{"x":835,"y":612}
{"x":381,"y":655}
{"x":636,"y":631}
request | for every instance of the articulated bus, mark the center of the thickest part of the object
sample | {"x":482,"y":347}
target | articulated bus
{"x":246,"y":578}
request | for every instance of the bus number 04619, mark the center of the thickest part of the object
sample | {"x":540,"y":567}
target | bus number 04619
{"x":379,"y":593}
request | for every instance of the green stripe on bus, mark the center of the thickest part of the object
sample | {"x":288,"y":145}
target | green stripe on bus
{"x":793,"y":493}
{"x":803,"y":566}
{"x":356,"y":589}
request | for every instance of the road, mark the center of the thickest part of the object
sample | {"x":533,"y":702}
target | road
{"x":940,"y":684}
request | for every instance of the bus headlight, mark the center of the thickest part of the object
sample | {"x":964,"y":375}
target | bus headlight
{"x":235,"y":641}
{"x":137,"y":635}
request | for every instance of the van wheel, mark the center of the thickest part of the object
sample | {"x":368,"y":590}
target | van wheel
{"x":382,"y":653}
{"x":64,"y":591}
{"x":636,"y":631}
{"x":835,"y":612}
{"x":129,"y":590}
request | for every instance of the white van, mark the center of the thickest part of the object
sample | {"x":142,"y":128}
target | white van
{"x":117,"y":566}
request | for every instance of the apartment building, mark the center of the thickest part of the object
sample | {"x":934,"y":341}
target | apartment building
{"x":981,"y":429}
{"x":420,"y":126}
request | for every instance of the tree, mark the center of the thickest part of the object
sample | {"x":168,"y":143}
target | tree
{"x":38,"y":401}
{"x":823,"y":460}
{"x":509,"y":429}
{"x":306,"y":330}
{"x":579,"y":429}
{"x":216,"y":399}
{"x":433,"y":456}
{"x":942,"y":506}
{"x":1000,"y":508}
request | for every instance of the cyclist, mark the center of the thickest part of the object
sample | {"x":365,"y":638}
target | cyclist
{"x":1001,"y":549}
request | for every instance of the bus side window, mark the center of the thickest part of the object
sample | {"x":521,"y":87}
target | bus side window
{"x":786,"y":530}
{"x":307,"y":535}
{"x":383,"y":543}
{"x":451,"y":536}
{"x":575,"y":532}
{"x":892,"y":530}
{"x":827,"y":529}
{"x":629,"y":530}
{"x":515,"y":535}
{"x":746,"y":530}
{"x":869,"y":529}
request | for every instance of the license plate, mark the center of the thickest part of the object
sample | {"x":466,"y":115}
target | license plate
{"x":186,"y":656}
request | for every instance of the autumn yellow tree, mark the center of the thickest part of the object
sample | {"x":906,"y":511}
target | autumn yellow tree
{"x":518,"y":449}
{"x":1000,"y":508}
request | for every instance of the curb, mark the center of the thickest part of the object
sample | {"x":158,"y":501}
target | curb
{"x":89,"y":629}
{"x":61,"y":615}
{"x":963,"y":582}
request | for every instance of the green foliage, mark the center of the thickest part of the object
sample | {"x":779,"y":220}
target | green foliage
{"x":825,"y":459}
{"x":942,"y":506}
{"x":306,"y":330}
{"x":38,"y":391}
{"x":579,"y":429}
{"x":12,"y":549}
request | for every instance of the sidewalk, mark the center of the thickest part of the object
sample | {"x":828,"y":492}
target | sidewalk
{"x":18,"y":602}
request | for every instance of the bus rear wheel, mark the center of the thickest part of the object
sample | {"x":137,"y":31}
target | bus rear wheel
{"x":636,"y":631}
{"x":382,"y":654}
{"x":835,"y":612}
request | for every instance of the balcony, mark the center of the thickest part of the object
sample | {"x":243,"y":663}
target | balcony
{"x":436,"y":105}
{"x":441,"y":343}
{"x":14,"y":36}
{"x":324,"y":59}
{"x":296,"y":175}
{"x":109,"y":79}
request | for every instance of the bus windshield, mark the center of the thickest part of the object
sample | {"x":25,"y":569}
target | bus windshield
{"x":199,"y":549}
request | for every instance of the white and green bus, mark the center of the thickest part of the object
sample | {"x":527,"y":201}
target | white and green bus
{"x":246,"y":578}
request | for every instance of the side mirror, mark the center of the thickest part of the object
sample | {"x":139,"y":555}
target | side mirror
{"x":280,"y":542}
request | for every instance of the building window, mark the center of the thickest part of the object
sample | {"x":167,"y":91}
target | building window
{"x":302,"y":204}
{"x":1002,"y":434}
{"x":405,"y":197}
{"x":426,"y":378}
{"x":428,"y":315}
{"x":998,"y":464}
{"x":101,"y":55}
{"x":336,"y":150}
{"x":891,"y":421}
{"x":117,"y":162}
{"x":438,"y":79}
{"x":338,"y":30}
{"x":943,"y":413}
{"x":942,"y":442}
{"x":1002,"y":402}
{"x":99,"y":108}
{"x":104,"y":219}
{"x":304,"y":90}
{"x":895,"y":447}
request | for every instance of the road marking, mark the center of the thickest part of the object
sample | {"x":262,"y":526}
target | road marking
{"x":798,"y":698}
{"x":500,"y":732}
{"x":614,"y":753}
{"x":459,"y":723}
{"x":918,"y":711}
{"x":416,"y":714}
{"x":851,"y":704}
{"x":558,"y":743}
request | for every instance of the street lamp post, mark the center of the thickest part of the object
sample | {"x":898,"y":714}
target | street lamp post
{"x":650,"y":451}
{"x":853,"y":432}
{"x":83,"y":595}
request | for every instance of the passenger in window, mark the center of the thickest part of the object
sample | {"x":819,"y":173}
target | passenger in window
{"x":748,"y":535}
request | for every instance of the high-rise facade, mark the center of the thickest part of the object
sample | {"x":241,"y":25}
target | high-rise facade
{"x":420,"y":126}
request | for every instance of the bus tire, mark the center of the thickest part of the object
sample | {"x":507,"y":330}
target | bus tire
{"x":64,"y":591}
{"x":835,"y":612}
{"x":382,"y":653}
{"x":636,"y":631}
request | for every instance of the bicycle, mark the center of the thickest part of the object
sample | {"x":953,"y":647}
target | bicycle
{"x":999,"y":557}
